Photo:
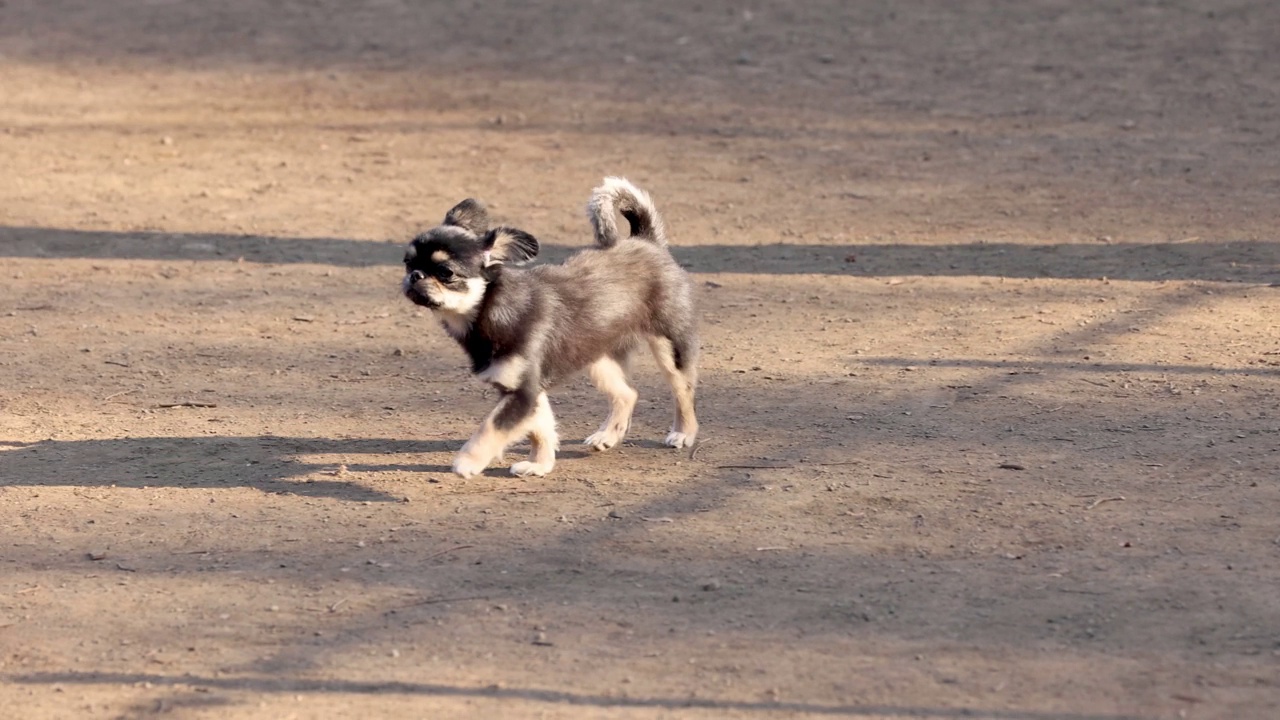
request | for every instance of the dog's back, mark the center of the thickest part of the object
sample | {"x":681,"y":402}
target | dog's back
{"x":604,"y":301}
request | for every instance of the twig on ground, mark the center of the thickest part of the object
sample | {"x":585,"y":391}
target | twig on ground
{"x":438,"y":600}
{"x":187,"y":404}
{"x":1099,"y":501}
{"x":446,"y":552}
{"x":509,"y":490}
{"x":118,"y":394}
{"x":755,"y":467}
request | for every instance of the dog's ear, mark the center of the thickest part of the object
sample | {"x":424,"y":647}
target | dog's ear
{"x":469,"y":215}
{"x":509,"y":245}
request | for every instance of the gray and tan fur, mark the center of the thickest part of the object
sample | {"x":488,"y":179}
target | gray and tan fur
{"x":526,"y":330}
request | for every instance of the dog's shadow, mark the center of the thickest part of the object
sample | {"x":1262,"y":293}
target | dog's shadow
{"x":272,"y":464}
{"x":501,"y":467}
{"x":645,"y":444}
{"x":517,"y":452}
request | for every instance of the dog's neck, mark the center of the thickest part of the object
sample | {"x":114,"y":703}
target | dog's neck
{"x":456,"y":324}
{"x":490,"y":323}
{"x":459,"y":315}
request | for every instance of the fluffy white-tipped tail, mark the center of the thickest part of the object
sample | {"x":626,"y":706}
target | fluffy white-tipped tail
{"x":618,"y":195}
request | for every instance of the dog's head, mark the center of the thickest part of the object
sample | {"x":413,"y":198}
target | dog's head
{"x":449,"y":267}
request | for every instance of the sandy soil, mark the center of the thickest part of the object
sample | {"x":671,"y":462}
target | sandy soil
{"x":989,"y":397}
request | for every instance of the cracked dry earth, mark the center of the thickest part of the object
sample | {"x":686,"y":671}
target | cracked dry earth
{"x":989,"y":393}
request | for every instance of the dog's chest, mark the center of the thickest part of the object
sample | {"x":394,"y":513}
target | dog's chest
{"x":479,"y":348}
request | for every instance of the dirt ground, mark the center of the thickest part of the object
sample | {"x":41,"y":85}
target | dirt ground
{"x":989,"y":393}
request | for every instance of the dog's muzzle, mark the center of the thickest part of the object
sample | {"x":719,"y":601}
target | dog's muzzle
{"x":411,"y":289}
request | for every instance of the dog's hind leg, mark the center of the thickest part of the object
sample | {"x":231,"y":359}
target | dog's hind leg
{"x":611,"y":378}
{"x":678,"y":358}
{"x":519,"y":413}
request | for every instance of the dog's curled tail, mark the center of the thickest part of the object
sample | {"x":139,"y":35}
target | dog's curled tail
{"x":618,"y":195}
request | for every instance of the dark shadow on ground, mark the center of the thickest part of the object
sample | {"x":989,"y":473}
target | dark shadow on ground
{"x":1244,"y":261}
{"x":1040,"y":366}
{"x":572,"y":41}
{"x":296,"y":685}
{"x":268,"y":463}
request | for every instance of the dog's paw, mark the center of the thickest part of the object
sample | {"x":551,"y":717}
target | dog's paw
{"x":527,"y":468}
{"x":602,"y":439}
{"x":679,"y":440}
{"x":468,"y":466}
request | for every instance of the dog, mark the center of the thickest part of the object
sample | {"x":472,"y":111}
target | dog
{"x":526,"y":330}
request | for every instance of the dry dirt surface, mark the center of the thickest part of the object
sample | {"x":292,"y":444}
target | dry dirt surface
{"x":989,"y":393}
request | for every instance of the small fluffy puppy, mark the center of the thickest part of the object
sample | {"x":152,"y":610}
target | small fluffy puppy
{"x":527,"y":330}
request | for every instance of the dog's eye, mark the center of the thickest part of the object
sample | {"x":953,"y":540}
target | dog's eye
{"x":445,"y":275}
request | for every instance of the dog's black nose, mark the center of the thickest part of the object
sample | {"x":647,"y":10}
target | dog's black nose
{"x":416,"y":276}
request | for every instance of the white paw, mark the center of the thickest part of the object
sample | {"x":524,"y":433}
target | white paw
{"x":679,"y":440}
{"x":526,"y":468}
{"x":467,"y":466}
{"x":602,"y":439}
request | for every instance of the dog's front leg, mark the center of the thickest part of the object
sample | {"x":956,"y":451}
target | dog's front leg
{"x":493,"y":435}
{"x":543,"y":441}
{"x":519,"y":413}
